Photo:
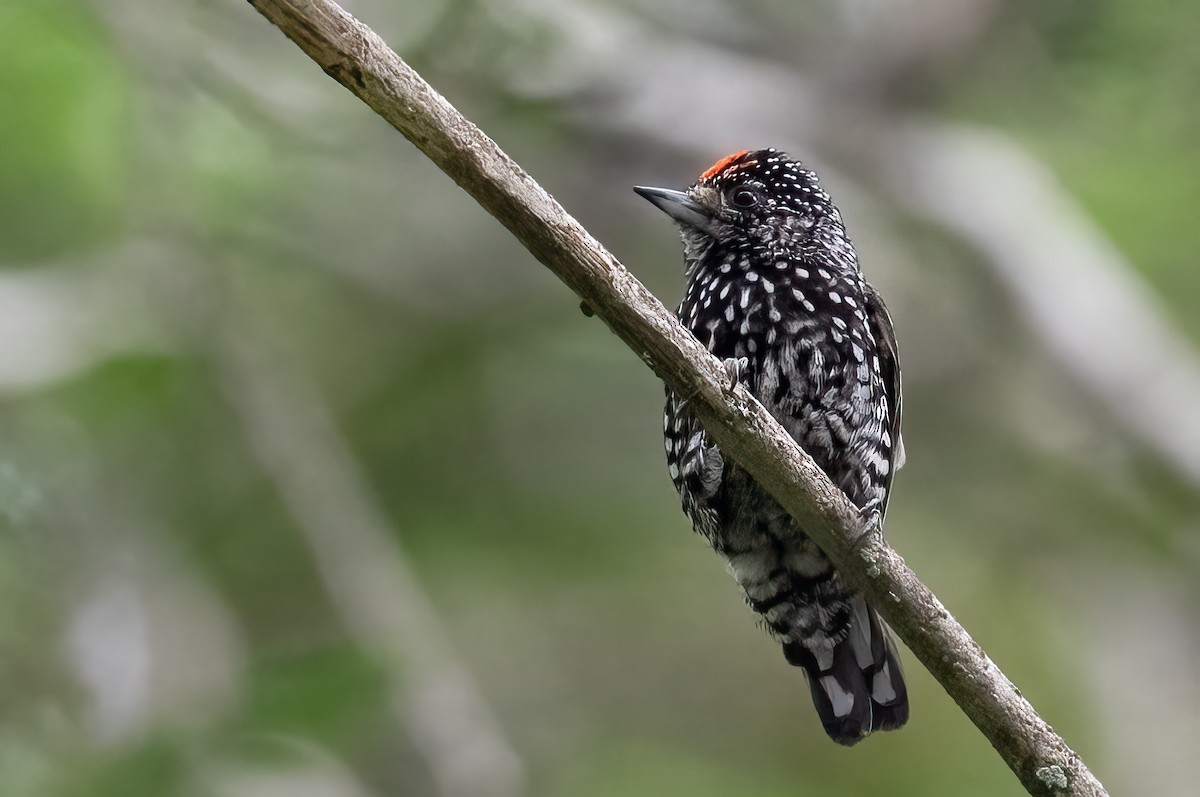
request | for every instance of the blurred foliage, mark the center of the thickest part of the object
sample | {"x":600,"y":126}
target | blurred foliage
{"x":512,"y":443}
{"x":63,"y":132}
{"x":1115,"y":113}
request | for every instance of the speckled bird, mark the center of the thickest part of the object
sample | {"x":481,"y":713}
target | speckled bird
{"x":774,"y":290}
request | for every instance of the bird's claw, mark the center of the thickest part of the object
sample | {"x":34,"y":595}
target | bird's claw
{"x":736,"y":368}
{"x":870,"y":523}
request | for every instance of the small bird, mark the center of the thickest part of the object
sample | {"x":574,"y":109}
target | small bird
{"x":775,"y":291}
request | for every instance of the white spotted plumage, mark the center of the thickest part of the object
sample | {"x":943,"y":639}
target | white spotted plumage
{"x":766,"y":248}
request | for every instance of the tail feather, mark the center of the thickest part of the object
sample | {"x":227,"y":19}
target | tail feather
{"x":858,"y":687}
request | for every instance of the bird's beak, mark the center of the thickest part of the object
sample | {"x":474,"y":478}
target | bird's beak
{"x":679,"y":206}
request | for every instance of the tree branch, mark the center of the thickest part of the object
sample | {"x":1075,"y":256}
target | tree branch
{"x":358,"y":59}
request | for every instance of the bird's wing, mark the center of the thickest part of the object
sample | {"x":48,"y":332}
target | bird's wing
{"x":889,"y":368}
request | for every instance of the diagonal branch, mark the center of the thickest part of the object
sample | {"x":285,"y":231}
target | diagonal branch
{"x":358,"y":59}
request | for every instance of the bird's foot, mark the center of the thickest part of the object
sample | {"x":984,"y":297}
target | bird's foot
{"x":736,"y":368}
{"x":870,"y":523}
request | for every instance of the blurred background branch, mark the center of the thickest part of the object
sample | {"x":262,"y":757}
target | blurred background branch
{"x":517,"y":449}
{"x":356,"y":551}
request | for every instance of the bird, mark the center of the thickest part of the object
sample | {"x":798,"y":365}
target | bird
{"x":774,"y":290}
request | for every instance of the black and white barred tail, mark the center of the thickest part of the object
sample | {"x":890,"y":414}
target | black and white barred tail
{"x":857,"y":685}
{"x":824,"y":626}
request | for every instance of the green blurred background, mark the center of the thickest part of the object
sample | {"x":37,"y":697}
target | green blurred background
{"x":313,"y":482}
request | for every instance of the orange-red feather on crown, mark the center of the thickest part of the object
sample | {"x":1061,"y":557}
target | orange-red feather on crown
{"x":736,"y":159}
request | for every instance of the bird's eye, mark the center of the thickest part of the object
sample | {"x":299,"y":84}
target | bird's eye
{"x":744,"y":198}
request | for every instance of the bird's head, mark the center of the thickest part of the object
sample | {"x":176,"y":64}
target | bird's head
{"x":751,"y":199}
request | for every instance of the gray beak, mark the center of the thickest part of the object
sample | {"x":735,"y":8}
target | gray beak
{"x":679,"y":206}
